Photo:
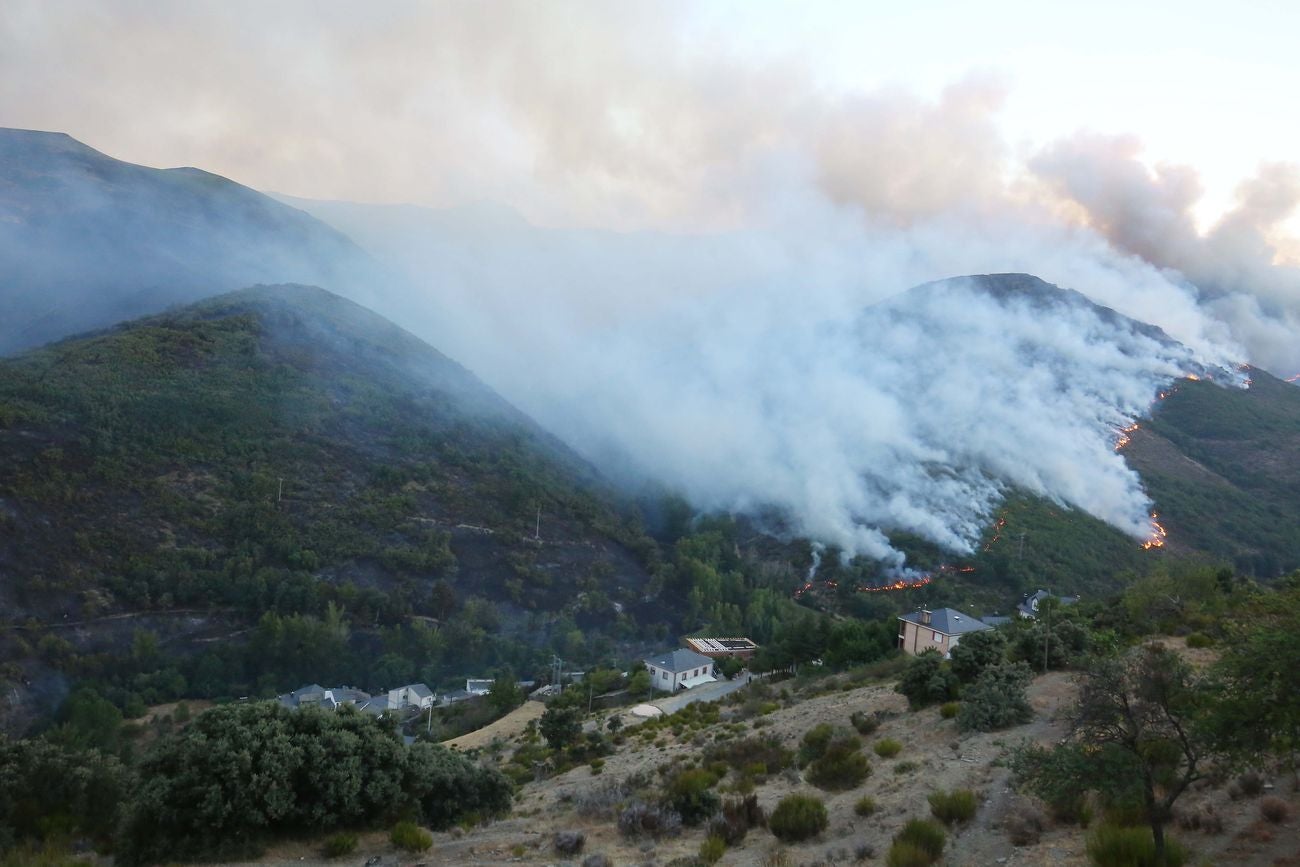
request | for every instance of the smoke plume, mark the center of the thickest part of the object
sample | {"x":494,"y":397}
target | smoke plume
{"x":722,"y":332}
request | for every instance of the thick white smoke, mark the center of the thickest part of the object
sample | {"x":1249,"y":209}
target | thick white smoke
{"x":770,"y":369}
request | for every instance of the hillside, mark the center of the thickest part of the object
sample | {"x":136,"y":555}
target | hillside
{"x":283,"y":450}
{"x":87,"y":240}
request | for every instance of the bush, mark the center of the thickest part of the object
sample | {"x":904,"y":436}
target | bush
{"x":888,"y":748}
{"x":1024,"y":828}
{"x":1251,"y":784}
{"x":817,"y":740}
{"x":1204,"y":818}
{"x":865,"y":806}
{"x":735,"y":819}
{"x":569,"y":842}
{"x":996,"y":700}
{"x":1198,"y":640}
{"x":907,"y":855}
{"x":690,"y":797}
{"x":952,"y":807}
{"x":1109,"y":846}
{"x":865,"y":723}
{"x":340,"y":844}
{"x":798,"y":817}
{"x":410,"y":836}
{"x":842,"y":767}
{"x":745,"y":753}
{"x":949,"y":709}
{"x":644,"y":820}
{"x":924,"y":835}
{"x":905,"y":767}
{"x":597,"y":860}
{"x":976,"y":652}
{"x":712,"y":849}
{"x":927,"y":680}
{"x":1274,"y":810}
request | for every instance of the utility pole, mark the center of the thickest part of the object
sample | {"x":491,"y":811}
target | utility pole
{"x":1020,"y":552}
{"x":537,"y":533}
{"x":279,"y":493}
{"x":1047,"y":634}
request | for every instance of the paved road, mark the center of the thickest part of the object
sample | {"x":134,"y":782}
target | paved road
{"x":707,"y":692}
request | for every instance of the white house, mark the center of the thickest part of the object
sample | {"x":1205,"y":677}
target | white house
{"x":680,"y":669}
{"x":413,"y":695}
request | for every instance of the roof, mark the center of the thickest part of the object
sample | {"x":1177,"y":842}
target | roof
{"x":721,"y":645}
{"x":949,"y":621}
{"x":679,"y":660}
{"x":995,"y":619}
{"x":420,"y":690}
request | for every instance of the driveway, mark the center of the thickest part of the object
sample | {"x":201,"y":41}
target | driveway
{"x":707,"y":692}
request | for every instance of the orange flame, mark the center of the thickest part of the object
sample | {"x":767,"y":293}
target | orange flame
{"x":1158,"y":534}
{"x":1124,"y":438}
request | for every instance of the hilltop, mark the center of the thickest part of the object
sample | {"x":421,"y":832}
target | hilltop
{"x":88,"y":240}
{"x":281,"y":449}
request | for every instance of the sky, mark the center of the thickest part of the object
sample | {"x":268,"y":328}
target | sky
{"x":442,"y":103}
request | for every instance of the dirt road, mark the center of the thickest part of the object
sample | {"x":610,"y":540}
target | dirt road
{"x":508,"y":726}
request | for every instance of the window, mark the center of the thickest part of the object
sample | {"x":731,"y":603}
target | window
{"x":936,"y":635}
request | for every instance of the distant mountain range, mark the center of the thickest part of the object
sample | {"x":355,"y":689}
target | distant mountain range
{"x":87,"y":240}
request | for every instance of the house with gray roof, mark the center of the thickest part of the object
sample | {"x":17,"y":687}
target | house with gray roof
{"x":679,"y":669}
{"x":940,"y":629}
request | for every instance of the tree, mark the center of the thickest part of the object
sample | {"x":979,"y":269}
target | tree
{"x":560,"y":726}
{"x":1137,"y":737}
{"x":927,"y":680}
{"x":1260,"y":707}
{"x":976,"y":652}
{"x":996,"y":700}
{"x":505,"y":694}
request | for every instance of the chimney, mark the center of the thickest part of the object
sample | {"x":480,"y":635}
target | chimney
{"x":925,"y":617}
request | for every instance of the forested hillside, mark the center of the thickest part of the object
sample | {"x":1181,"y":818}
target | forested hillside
{"x":282,"y":454}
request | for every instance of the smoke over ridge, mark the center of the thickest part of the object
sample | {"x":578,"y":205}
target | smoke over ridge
{"x":717,"y":342}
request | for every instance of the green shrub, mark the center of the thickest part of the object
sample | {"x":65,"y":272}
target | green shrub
{"x":924,"y":835}
{"x":907,"y":855}
{"x":865,"y":806}
{"x":1109,"y":846}
{"x":712,"y":849}
{"x":690,"y":797}
{"x":815,"y":743}
{"x":410,"y":836}
{"x":949,"y":709}
{"x":865,"y":723}
{"x":887,"y":748}
{"x":959,"y":805}
{"x":976,"y":652}
{"x":905,"y":767}
{"x":734,"y":820}
{"x":798,"y":817}
{"x":927,"y":680}
{"x":996,"y":700}
{"x":1198,"y":640}
{"x":340,"y":844}
{"x":597,"y":765}
{"x":842,"y":767}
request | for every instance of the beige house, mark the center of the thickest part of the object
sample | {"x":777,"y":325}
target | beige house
{"x":939,"y":630}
